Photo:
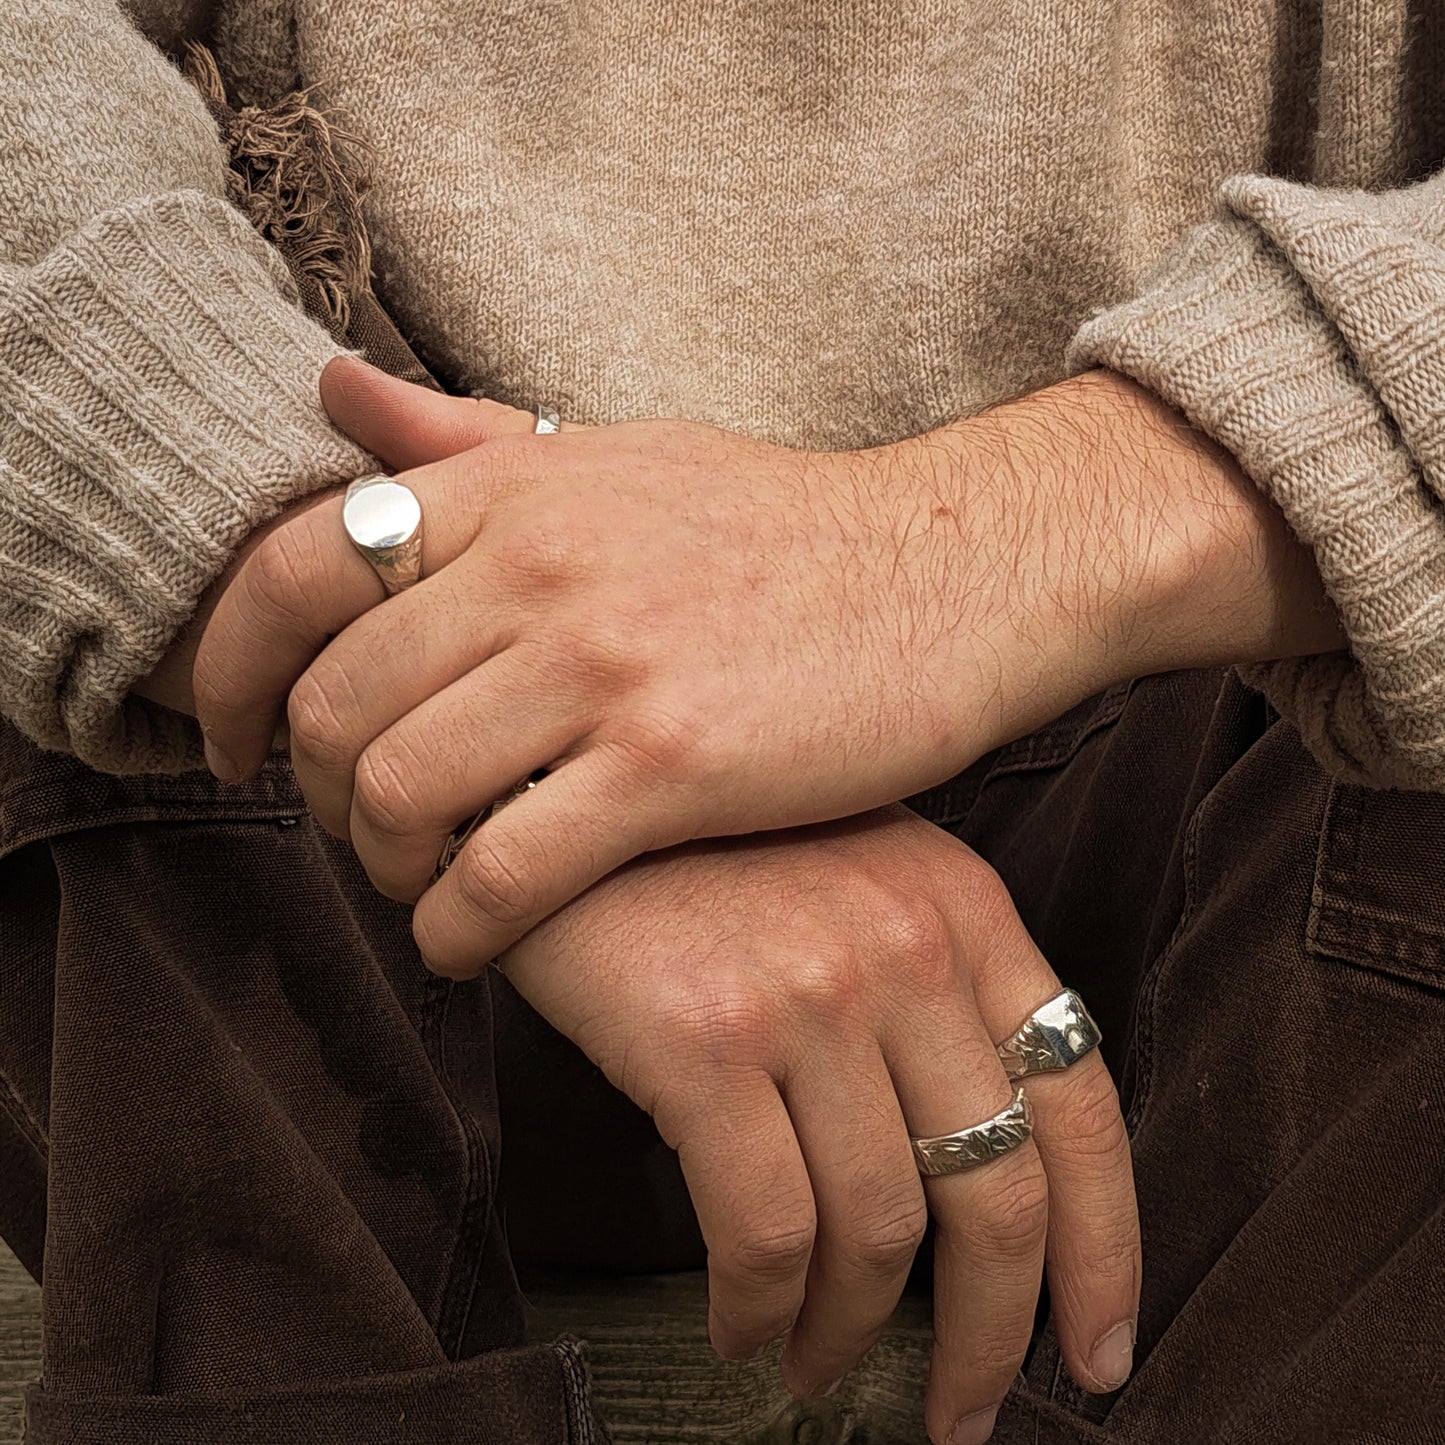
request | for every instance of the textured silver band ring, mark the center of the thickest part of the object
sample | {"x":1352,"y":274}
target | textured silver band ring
{"x":383,"y":520}
{"x":978,"y":1144}
{"x":458,"y":840}
{"x":548,"y":421}
{"x":1057,"y":1034}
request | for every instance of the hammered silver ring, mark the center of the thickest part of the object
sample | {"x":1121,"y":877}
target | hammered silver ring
{"x":978,"y":1144}
{"x":1055,"y":1036}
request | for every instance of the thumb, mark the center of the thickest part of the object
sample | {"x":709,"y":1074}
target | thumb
{"x":408,"y":426}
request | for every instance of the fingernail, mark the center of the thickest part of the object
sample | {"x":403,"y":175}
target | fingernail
{"x":974,"y":1429}
{"x":1113,"y":1356}
{"x":220,"y":764}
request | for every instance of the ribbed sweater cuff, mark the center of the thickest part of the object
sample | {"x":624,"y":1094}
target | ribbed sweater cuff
{"x":158,"y":400}
{"x":1228,"y":330}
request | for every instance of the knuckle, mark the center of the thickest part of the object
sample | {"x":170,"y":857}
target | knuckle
{"x":772,"y":1250}
{"x":550,"y":557}
{"x":829,"y":983}
{"x":282,"y":572}
{"x":734,"y":1026}
{"x":916,"y":936}
{"x":492,"y":885}
{"x":1095,"y":1129}
{"x":990,"y":901}
{"x":1116,"y":1258}
{"x":387,"y":794}
{"x":995,"y":1357}
{"x":1012,"y":1219}
{"x":661,"y":746}
{"x":317,"y":715}
{"x":886,"y":1243}
{"x":598,"y":655}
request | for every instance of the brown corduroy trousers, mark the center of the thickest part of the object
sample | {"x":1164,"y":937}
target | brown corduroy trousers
{"x":256,"y":1146}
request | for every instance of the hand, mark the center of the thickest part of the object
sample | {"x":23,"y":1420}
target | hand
{"x":170,"y":682}
{"x":789,"y":1008}
{"x":696,"y":634}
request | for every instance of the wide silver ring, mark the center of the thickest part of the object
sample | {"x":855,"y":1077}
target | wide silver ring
{"x":458,"y":839}
{"x":978,"y":1144}
{"x":1056,"y":1035}
{"x":548,"y":421}
{"x":383,"y":520}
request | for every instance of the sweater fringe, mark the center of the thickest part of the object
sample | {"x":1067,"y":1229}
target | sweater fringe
{"x":289,"y":173}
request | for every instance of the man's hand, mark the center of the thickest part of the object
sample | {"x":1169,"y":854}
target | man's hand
{"x":698,"y":634}
{"x":789,"y":1009}
{"x":171,"y":681}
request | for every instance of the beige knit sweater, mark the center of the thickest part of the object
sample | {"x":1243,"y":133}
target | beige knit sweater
{"x":831,"y":223}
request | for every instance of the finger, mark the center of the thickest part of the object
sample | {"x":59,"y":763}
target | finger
{"x":871,"y":1213}
{"x":450,"y":757}
{"x":301,"y":585}
{"x":754,"y":1204}
{"x":992,"y":1220}
{"x":579,"y":823}
{"x":407,"y":425}
{"x":1094,"y":1253}
{"x":383,"y":665}
{"x":305,"y":581}
{"x":1094,"y":1257}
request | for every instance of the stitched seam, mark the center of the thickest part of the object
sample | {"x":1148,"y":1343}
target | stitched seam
{"x":1352,"y":920}
{"x":468,"y":1248}
{"x":1349,"y":931}
{"x":576,"y":1392}
{"x":13,"y":1102}
{"x":1050,"y":748}
{"x":182,"y":813}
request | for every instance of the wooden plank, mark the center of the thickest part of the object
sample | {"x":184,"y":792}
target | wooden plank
{"x":19,"y":1342}
{"x":656,"y":1375}
{"x":660,"y":1383}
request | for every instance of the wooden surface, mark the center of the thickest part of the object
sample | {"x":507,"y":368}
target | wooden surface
{"x":19,"y":1341}
{"x":657,"y":1379}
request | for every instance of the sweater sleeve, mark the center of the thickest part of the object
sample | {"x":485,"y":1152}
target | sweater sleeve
{"x":1304,"y":330}
{"x":158,"y":393}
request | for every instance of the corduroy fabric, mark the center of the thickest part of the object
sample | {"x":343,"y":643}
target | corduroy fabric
{"x":260,"y":1151}
{"x":219,"y":1060}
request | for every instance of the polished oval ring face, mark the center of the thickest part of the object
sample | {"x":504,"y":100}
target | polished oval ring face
{"x":380,"y":513}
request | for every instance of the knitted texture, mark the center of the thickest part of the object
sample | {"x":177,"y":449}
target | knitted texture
{"x":145,"y":429}
{"x":828,"y":225}
{"x":157,"y":388}
{"x":1305,"y":330}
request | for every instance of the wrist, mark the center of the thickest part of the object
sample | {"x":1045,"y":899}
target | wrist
{"x":1093,"y":536}
{"x":1211,"y":573}
{"x":1153,"y":550}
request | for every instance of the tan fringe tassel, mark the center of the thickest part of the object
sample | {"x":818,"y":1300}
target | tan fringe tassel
{"x":288,"y":177}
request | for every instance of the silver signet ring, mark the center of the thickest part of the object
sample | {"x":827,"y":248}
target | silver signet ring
{"x":1057,"y":1034}
{"x":383,"y":519}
